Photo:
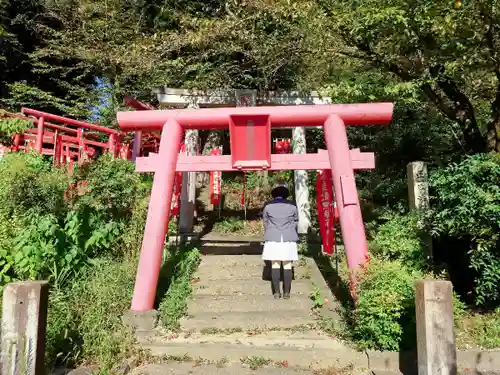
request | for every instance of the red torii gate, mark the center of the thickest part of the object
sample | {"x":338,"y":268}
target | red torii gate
{"x":250,"y":137}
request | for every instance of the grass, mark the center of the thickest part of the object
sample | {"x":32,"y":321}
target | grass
{"x":178,"y":272}
{"x":238,"y":226}
{"x":256,"y":362}
{"x":84,"y":321}
{"x":479,"y":331}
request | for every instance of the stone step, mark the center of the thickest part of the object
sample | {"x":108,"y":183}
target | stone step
{"x":243,"y":303}
{"x":244,"y":272}
{"x":230,"y":238}
{"x":316,"y":358}
{"x":196,"y":368}
{"x":240,"y":287}
{"x":230,"y":249}
{"x":300,"y":338}
{"x":228,"y":261}
{"x":247,"y":320}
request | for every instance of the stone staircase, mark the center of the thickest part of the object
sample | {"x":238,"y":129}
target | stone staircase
{"x":233,"y":317}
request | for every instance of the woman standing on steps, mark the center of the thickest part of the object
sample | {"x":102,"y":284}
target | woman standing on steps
{"x":280,"y":238}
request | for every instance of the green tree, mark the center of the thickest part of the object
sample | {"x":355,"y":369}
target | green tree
{"x":451,"y":55}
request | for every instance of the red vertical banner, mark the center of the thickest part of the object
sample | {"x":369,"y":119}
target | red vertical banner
{"x":327,"y":212}
{"x":215,"y":182}
{"x":176,"y":193}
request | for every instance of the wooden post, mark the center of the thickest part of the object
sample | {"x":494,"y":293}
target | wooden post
{"x":24,"y":320}
{"x":435,"y":334}
{"x":300,"y":183}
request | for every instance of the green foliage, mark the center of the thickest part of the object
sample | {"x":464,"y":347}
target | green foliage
{"x":53,"y":83}
{"x":466,"y":206}
{"x":84,"y":321}
{"x":178,"y":271}
{"x":398,"y":238}
{"x":384,"y":318}
{"x":457,"y":74}
{"x":11,"y":125}
{"x":111,"y":186}
{"x":29,"y":184}
{"x":43,"y":235}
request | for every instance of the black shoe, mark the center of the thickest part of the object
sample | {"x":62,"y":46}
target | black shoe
{"x":277,"y":295}
{"x":286,"y":296}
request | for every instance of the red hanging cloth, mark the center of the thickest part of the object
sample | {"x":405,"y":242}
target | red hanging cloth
{"x":327,"y":210}
{"x":215,"y":181}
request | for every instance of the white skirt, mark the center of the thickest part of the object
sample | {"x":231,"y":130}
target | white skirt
{"x":280,"y":251}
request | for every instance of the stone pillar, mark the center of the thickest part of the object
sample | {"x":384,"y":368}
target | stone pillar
{"x":435,"y":335}
{"x":418,"y":195}
{"x":24,"y":320}
{"x":300,"y":183}
{"x":418,"y":185}
{"x":188,"y":195}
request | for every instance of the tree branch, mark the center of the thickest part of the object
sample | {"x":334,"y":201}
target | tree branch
{"x":493,"y":127}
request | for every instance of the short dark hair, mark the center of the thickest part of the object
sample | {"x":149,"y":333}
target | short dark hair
{"x":281,"y":192}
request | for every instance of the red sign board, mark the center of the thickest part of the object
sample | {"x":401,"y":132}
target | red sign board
{"x":215,"y":182}
{"x":250,"y":138}
{"x":327,"y":212}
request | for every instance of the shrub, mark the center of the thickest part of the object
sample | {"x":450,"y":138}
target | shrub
{"x":11,"y":125}
{"x":29,"y":184}
{"x":465,"y":205}
{"x":398,"y":238}
{"x":384,"y":318}
{"x":111,"y":186}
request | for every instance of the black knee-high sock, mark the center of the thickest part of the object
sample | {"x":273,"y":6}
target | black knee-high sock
{"x":275,"y":280}
{"x":287,"y":281}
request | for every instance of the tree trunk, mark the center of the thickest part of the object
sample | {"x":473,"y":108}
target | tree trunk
{"x":493,"y":136}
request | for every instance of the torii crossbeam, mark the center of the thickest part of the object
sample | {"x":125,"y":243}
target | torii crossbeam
{"x":250,"y":136}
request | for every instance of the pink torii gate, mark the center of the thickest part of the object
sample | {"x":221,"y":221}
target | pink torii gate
{"x":250,"y":138}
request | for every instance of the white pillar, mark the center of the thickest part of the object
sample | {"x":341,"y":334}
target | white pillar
{"x":300,"y":182}
{"x":188,"y":195}
{"x":418,"y":195}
